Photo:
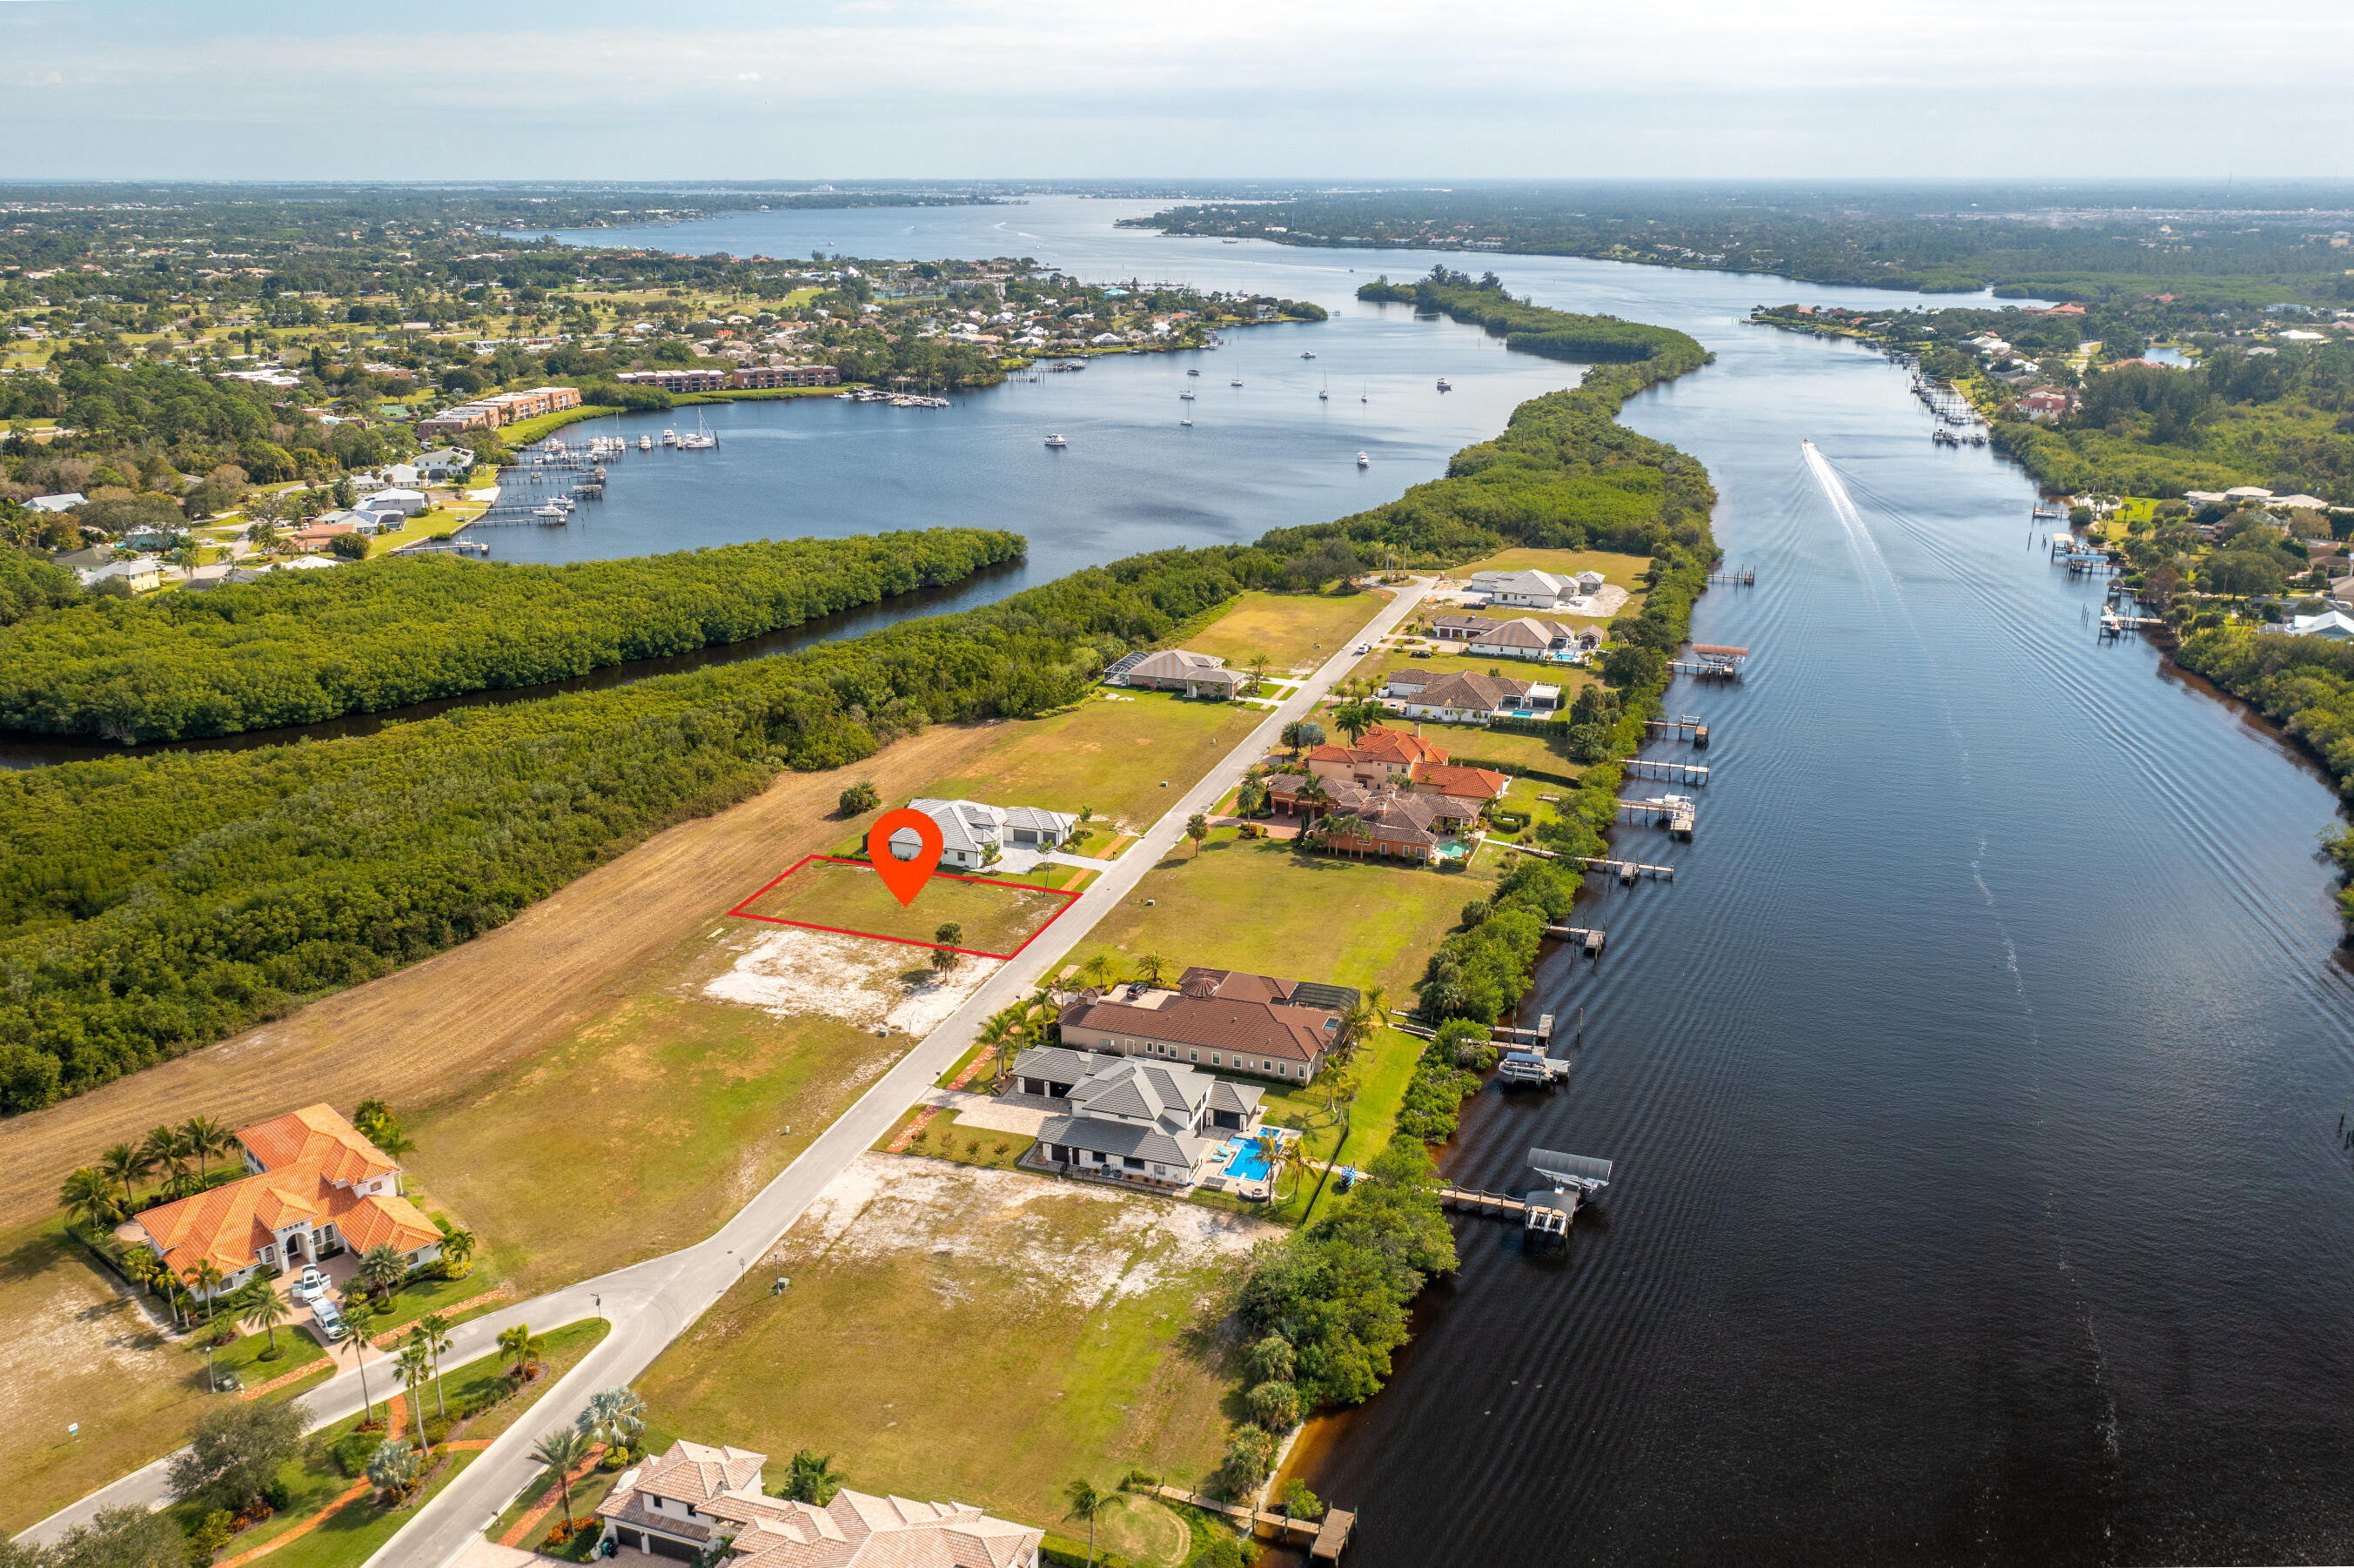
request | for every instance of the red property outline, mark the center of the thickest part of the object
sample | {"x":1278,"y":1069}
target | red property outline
{"x":1069,"y":898}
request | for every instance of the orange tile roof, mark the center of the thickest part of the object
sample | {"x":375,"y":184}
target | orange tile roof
{"x":311,"y":1158}
{"x":317,"y":1136}
{"x":1465,"y":783}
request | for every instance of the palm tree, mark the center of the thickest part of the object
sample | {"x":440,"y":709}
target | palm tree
{"x":414,"y":1365}
{"x":204,"y":1137}
{"x":382,"y":1267}
{"x":88,"y":1195}
{"x":614,"y":1416}
{"x":433,"y":1331}
{"x":393,"y":1466}
{"x":264,"y":1308}
{"x":125,"y":1164}
{"x":205,"y":1277}
{"x":1256,"y":665}
{"x":1100,"y":970}
{"x":524,"y":1346}
{"x":1151,"y":968}
{"x":1089,"y":1504}
{"x":1353,"y":719}
{"x":457,"y":1244}
{"x":357,"y":1344}
{"x":562,"y":1451}
{"x":811,"y":1478}
{"x":1197,"y":828}
{"x":163,"y":1149}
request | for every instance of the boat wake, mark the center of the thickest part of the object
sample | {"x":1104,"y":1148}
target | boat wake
{"x":1843,"y":507}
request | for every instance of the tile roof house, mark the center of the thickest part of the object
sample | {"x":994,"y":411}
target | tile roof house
{"x":1175,"y":670}
{"x":695,"y":1499}
{"x":1390,"y":757}
{"x":1134,"y":1118}
{"x":1382,"y":820}
{"x":316,"y":1186}
{"x":1537,"y":590}
{"x":1466,"y":698}
{"x":1460,"y":627}
{"x":1216,"y":1019}
{"x":973,"y":833}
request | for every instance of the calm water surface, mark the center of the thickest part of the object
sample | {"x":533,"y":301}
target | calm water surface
{"x":1976,"y":1090}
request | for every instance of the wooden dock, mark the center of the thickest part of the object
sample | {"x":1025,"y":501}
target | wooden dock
{"x":1712,"y":661}
{"x":2115,"y":625}
{"x":1626,"y":871}
{"x":1323,"y":1538}
{"x":1591,"y":940}
{"x":1675,"y":812}
{"x":1687,"y":728}
{"x":1746,"y":578}
{"x":1546,"y":1213}
{"x":1673,"y":772}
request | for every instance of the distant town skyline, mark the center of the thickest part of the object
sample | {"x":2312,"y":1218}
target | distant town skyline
{"x":877,"y":89}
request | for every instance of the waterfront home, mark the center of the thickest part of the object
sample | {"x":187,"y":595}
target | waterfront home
{"x":760,"y":377}
{"x":974,"y":832}
{"x":1177,"y":669}
{"x":65,"y":501}
{"x":141,"y":574}
{"x":1131,"y":1117}
{"x":395,"y":498}
{"x":1379,"y":754}
{"x":1380,"y":820}
{"x":317,"y":1186}
{"x":1525,"y":638}
{"x":702,"y":1504}
{"x":1466,"y":698}
{"x":1534,"y":589}
{"x":1216,"y":1019}
{"x":2331,"y":626}
{"x":2048,"y":403}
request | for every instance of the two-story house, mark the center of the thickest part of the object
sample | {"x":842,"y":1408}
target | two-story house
{"x":1219,"y":1019}
{"x":1147,"y":1122}
{"x":317,"y":1186}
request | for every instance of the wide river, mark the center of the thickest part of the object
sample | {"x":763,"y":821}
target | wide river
{"x":1978,"y":1090}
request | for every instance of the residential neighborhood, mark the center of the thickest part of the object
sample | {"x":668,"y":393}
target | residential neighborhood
{"x":1214,"y":1019}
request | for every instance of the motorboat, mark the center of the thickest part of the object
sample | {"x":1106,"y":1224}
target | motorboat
{"x":1196,"y":371}
{"x":1187,"y":421}
{"x":670,"y":438}
{"x":1057,"y":442}
{"x":1445,"y":386}
{"x":1307,"y":353}
{"x":1184,"y":396}
{"x":1236,"y":382}
{"x":645,"y":443}
{"x":1364,"y":462}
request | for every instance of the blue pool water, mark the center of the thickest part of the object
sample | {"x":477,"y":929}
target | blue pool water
{"x":1248,"y":1163}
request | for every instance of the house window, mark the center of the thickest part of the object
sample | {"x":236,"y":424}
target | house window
{"x":1131,"y":1162}
{"x":1214,"y":1058}
{"x":1266,"y":1066}
{"x":1193,"y":1055}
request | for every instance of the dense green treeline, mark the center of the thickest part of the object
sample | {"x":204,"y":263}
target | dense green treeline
{"x":152,"y":906}
{"x":302,"y":647}
{"x":1532,"y":328}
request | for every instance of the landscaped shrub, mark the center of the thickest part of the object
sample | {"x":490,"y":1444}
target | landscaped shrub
{"x":351,"y":1453}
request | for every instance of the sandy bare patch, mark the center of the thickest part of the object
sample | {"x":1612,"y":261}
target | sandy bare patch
{"x":78,"y":1329}
{"x":858,"y":980}
{"x":1119,"y":1244}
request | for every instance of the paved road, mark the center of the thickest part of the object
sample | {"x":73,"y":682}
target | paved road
{"x":651,"y":1303}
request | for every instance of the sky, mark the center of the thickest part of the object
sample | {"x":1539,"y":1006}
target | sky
{"x":1223,"y":89}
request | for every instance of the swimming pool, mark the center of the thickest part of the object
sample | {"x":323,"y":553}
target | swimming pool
{"x":1249,"y":1162}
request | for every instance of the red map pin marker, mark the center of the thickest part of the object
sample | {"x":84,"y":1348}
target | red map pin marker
{"x":903,"y":874}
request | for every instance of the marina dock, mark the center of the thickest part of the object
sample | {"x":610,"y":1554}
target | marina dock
{"x":1673,"y":772}
{"x":1713,"y":661}
{"x":1687,"y":728}
{"x":1546,"y":1211}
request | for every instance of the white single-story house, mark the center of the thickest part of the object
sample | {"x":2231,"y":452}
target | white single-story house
{"x":973,"y":833}
{"x":1532,"y":589}
{"x":2331,"y":626}
{"x":64,"y":501}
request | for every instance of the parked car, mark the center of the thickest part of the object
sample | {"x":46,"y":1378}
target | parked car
{"x":329,"y":1320}
{"x":311,"y":1286}
{"x":1364,"y":647}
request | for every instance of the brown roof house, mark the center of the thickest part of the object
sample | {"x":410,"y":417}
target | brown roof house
{"x":1393,"y":757}
{"x":1466,"y":698}
{"x":1381,"y":819}
{"x":1175,"y":670}
{"x":318,"y":1187}
{"x":1216,"y":1019}
{"x":695,"y":1501}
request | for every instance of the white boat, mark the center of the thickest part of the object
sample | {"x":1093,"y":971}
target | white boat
{"x":1057,"y":442}
{"x":645,"y":443}
{"x":670,"y":438}
{"x":1307,"y":353}
{"x":552,"y":512}
{"x":1196,"y":371}
{"x":1184,"y":396}
{"x":1443,"y":385}
{"x":1187,"y":421}
{"x":1364,"y":462}
{"x":1324,"y":393}
{"x":1236,"y":382}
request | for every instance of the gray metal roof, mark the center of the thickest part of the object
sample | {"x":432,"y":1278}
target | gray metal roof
{"x":1235,"y":1100}
{"x":1056,"y":1065}
{"x":1124,"y":1139}
{"x":1570,"y":1169}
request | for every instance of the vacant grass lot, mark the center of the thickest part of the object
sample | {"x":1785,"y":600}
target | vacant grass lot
{"x":1112,"y":754}
{"x":825,"y":893}
{"x":1296,"y":632}
{"x":955,"y":1332}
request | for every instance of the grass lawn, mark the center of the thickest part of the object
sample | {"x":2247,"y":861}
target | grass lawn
{"x":944,"y":1137}
{"x":996,"y":919}
{"x":976,"y":1334}
{"x":1461,"y":740}
{"x":714,"y":1082}
{"x":1297,"y":632}
{"x":1112,"y":755}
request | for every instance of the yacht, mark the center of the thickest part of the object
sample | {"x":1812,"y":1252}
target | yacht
{"x":1364,"y":462}
{"x":1236,"y":382}
{"x":670,"y":438}
{"x":645,"y":443}
{"x":1307,"y":353}
{"x":1184,"y":396}
{"x":1196,"y":371}
{"x":1057,"y":442}
{"x":551,"y":512}
{"x":1443,"y":385}
{"x":1187,"y":421}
